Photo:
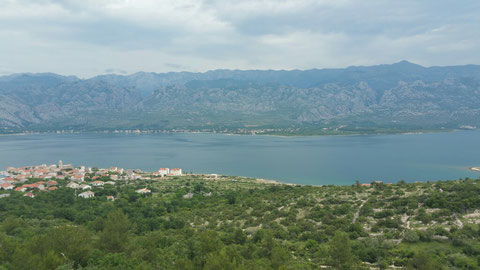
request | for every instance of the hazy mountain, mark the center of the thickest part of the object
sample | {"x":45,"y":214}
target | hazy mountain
{"x":401,"y":95}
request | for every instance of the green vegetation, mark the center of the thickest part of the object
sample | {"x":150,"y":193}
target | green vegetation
{"x":241,"y":223}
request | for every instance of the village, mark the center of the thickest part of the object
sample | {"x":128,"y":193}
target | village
{"x":31,"y":180}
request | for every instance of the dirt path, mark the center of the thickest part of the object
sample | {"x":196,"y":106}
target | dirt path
{"x":458,"y":222}
{"x":406,"y":220}
{"x":355,"y":216}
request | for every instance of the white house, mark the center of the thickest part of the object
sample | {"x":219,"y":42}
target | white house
{"x":97,"y":183}
{"x":143,"y":191}
{"x":163,"y":171}
{"x":29,"y":194}
{"x":21,"y":189}
{"x":7,"y":186}
{"x":86,"y":194}
{"x":85,"y":187}
{"x":73,"y":185}
{"x":176,"y":171}
{"x":78,"y":177}
{"x":135,"y":176}
{"x":188,"y":196}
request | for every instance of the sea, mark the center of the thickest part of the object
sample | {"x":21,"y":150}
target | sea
{"x":309,"y":160}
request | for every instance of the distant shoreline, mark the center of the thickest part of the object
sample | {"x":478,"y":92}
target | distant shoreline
{"x":476,"y":169}
{"x":407,"y":132}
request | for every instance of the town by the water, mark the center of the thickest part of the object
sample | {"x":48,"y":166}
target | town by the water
{"x":80,"y":178}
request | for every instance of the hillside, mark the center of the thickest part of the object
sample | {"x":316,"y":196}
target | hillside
{"x":200,"y":222}
{"x":401,"y":96}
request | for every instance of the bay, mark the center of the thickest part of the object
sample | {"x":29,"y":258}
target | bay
{"x":316,"y":160}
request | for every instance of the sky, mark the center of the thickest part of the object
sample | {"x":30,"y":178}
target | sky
{"x":91,"y":37}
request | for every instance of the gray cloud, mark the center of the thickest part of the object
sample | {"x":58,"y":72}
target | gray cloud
{"x":88,"y":37}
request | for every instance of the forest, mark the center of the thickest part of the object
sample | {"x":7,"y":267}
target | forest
{"x":241,"y":223}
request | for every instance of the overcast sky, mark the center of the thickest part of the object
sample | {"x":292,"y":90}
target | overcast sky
{"x":91,"y":37}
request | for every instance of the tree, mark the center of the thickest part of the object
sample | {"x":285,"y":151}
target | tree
{"x":231,"y":198}
{"x":72,"y":242}
{"x":340,"y":251}
{"x":115,"y":235}
{"x":239,"y":237}
{"x":12,"y":224}
{"x":278,"y":256}
{"x":208,"y":242}
{"x":423,"y":261}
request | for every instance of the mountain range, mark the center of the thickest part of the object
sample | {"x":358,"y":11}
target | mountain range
{"x":399,"y":96}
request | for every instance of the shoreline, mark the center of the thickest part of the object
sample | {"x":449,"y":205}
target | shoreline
{"x":293,"y":135}
{"x":475,"y":169}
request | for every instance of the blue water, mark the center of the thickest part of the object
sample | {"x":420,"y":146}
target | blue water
{"x":305,"y":160}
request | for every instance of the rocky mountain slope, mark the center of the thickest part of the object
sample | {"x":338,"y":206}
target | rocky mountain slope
{"x":402,"y":95}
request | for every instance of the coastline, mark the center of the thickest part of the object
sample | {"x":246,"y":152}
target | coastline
{"x":475,"y":169}
{"x":292,"y":135}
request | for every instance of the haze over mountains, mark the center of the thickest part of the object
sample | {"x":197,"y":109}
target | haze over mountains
{"x":401,"y":96}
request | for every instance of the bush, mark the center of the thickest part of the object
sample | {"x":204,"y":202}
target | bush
{"x":411,"y":236}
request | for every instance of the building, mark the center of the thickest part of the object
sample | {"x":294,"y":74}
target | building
{"x":85,"y":187}
{"x":110,"y":198}
{"x":188,"y":196}
{"x":9,"y":179}
{"x":73,"y":185}
{"x":7,"y":186}
{"x":134,"y":177}
{"x":163,"y":171}
{"x":97,"y":183}
{"x":29,"y":194}
{"x":52,"y":183}
{"x":176,"y":172}
{"x":143,"y":191}
{"x":78,"y":177}
{"x":34,"y":185}
{"x":86,"y":194}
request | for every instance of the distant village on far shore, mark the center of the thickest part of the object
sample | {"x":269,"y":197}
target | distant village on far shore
{"x":79,"y":178}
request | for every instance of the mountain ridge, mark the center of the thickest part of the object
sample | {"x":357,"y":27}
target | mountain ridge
{"x":402,"y":95}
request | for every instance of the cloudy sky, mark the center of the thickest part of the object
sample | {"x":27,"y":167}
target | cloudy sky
{"x":91,"y":37}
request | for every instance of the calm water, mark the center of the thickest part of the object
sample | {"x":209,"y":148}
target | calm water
{"x":305,"y":160}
